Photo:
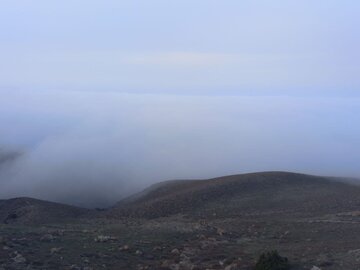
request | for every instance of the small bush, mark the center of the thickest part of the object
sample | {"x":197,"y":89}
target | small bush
{"x":272,"y":261}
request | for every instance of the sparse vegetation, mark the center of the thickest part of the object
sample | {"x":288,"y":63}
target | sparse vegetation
{"x":252,"y":212}
{"x":272,"y":261}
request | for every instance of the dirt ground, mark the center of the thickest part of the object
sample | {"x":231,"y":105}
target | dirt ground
{"x":181,"y":242}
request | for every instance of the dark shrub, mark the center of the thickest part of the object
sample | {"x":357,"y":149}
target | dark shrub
{"x":272,"y":261}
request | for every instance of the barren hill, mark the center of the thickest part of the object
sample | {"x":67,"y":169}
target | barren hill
{"x":246,"y":194}
{"x":28,"y":211}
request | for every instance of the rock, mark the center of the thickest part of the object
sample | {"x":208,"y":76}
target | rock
{"x":175,"y":251}
{"x":174,"y":266}
{"x":18,"y":259}
{"x":206,"y":244}
{"x":165,"y":264}
{"x":55,"y":250}
{"x":233,"y":266}
{"x":75,"y":267}
{"x":124,"y":248}
{"x":324,"y":260}
{"x":104,"y":238}
{"x":186,"y":264}
{"x":220,"y":231}
{"x":354,"y":251}
{"x":139,"y":252}
{"x":157,"y":248}
{"x":315,"y":268}
{"x":47,"y":238}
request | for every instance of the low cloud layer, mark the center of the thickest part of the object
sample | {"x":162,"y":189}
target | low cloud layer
{"x":92,"y":149}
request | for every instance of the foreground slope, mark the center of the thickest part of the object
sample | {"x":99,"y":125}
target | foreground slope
{"x":33,"y":211}
{"x":221,"y":223}
{"x":245,"y":194}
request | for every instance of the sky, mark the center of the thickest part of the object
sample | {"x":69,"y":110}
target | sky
{"x":99,"y":99}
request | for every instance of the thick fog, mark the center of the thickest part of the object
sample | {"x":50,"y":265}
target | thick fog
{"x":92,"y":149}
{"x":99,"y":99}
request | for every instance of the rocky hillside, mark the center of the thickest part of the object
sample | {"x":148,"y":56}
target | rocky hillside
{"x":245,"y":194}
{"x":262,"y":194}
{"x":32,"y":211}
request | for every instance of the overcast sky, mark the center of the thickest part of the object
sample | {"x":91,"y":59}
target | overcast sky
{"x":103,"y":98}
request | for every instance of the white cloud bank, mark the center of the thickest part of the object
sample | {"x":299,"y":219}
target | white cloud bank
{"x":94,"y":148}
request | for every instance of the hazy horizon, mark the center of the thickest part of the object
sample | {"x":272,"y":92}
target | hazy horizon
{"x":100,"y":100}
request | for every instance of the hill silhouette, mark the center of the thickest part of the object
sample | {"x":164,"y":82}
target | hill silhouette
{"x":244,"y":194}
{"x":28,"y":211}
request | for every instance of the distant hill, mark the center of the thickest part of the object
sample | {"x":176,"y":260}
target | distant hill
{"x":269,"y":193}
{"x":266,"y":194}
{"x":33,"y":211}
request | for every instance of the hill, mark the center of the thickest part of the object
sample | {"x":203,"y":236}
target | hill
{"x":244,"y":194}
{"x":33,"y":211}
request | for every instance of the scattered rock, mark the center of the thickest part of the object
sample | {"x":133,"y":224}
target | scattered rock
{"x":104,"y":238}
{"x":175,"y":251}
{"x":233,"y":266}
{"x":354,"y":251}
{"x":55,"y":250}
{"x":124,"y":248}
{"x":47,"y":238}
{"x":220,"y":231}
{"x":139,"y":252}
{"x":324,"y":260}
{"x":165,"y":264}
{"x":174,"y":266}
{"x":315,"y":268}
{"x":19,"y":259}
{"x":157,"y":248}
{"x":185,"y":263}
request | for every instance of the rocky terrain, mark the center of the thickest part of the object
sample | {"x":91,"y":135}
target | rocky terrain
{"x":221,"y":223}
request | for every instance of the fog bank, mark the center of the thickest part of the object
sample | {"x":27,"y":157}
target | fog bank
{"x":92,"y":148}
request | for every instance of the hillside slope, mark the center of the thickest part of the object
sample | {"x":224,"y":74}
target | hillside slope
{"x":245,"y":194}
{"x":28,"y":211}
